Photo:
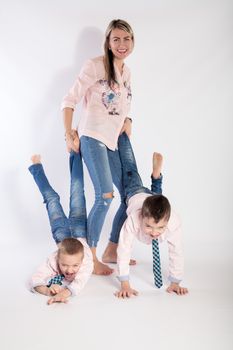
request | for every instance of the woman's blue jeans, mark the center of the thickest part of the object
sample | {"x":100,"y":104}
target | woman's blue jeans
{"x":61,"y":226}
{"x":104,"y":167}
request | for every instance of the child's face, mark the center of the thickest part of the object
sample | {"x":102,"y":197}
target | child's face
{"x":153,"y":229}
{"x":69,"y":265}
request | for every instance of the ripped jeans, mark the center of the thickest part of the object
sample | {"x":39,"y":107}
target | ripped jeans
{"x":61,"y":226}
{"x":104,"y":167}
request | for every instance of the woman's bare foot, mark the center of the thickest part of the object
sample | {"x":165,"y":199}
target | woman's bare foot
{"x":157,"y":165}
{"x":110,"y":254}
{"x":101,"y":269}
{"x":36,"y":159}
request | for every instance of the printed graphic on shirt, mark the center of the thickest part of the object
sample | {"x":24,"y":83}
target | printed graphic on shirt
{"x":110,"y":97}
{"x":129,"y":93}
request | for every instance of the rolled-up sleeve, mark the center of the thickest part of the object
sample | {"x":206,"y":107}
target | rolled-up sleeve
{"x":42,"y":275}
{"x":86,"y":78}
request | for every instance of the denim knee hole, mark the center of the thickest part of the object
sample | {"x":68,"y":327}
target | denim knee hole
{"x":107,"y":197}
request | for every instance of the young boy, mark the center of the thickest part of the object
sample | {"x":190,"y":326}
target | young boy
{"x":149,"y":218}
{"x":67,"y":270}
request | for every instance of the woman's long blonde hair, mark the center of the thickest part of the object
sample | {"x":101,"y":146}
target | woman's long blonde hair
{"x":108,"y":55}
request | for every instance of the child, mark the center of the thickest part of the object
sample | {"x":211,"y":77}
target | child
{"x":67,"y":270}
{"x":149,"y":218}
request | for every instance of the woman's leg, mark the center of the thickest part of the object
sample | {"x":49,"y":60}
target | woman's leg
{"x":120,"y":217}
{"x":58,"y":221}
{"x":95,"y":157}
{"x":77,"y":215}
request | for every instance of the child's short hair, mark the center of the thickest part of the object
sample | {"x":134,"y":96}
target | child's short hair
{"x":70,"y":246}
{"x":157,"y":207}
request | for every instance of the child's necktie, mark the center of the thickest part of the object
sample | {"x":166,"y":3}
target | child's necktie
{"x":56,"y":280}
{"x":156,"y":263}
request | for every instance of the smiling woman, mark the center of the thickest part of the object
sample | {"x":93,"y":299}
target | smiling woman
{"x":104,"y":82}
{"x":118,"y":45}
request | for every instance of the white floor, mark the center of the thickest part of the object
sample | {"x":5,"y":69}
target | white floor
{"x":98,"y":320}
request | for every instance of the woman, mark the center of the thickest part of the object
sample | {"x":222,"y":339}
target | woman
{"x":104,"y":85}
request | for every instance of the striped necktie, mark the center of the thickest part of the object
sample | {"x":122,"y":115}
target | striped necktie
{"x":156,"y":264}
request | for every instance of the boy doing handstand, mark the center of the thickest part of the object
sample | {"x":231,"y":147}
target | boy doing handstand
{"x":67,"y":270}
{"x":150,"y":220}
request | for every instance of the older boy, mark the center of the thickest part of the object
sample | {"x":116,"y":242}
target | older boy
{"x":149,"y":218}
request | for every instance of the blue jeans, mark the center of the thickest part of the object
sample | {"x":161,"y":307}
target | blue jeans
{"x":61,"y":226}
{"x":131,"y":179}
{"x":104,"y":167}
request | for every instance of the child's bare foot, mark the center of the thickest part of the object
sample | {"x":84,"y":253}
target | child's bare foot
{"x":110,"y":254}
{"x":36,"y":159}
{"x":101,"y":269}
{"x":157,"y":165}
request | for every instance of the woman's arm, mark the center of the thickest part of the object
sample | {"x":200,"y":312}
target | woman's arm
{"x":71,"y":136}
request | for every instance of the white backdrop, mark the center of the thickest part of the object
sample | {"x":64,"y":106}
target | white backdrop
{"x":182,"y":103}
{"x":182,"y":84}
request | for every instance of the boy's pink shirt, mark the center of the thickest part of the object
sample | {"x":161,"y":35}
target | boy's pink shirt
{"x":132,"y":229}
{"x":50,"y":269}
{"x":96,"y":119}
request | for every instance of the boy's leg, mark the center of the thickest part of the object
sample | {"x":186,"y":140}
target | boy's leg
{"x":156,"y":177}
{"x":77,"y":215}
{"x":58,"y":220}
{"x":131,"y":179}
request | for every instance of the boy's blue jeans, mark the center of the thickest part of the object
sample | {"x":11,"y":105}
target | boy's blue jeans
{"x":132,"y":182}
{"x":76,"y":224}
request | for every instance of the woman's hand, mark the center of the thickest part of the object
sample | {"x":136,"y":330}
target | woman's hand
{"x":72,"y":141}
{"x":127,"y":127}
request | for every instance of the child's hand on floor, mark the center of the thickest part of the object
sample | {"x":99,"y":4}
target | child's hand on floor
{"x":55,"y":289}
{"x":174,"y":287}
{"x":126,"y":291}
{"x":61,"y":297}
{"x":57,"y":299}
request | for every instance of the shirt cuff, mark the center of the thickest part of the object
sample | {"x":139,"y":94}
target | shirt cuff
{"x":72,"y":291}
{"x":123,"y":278}
{"x":173,"y":280}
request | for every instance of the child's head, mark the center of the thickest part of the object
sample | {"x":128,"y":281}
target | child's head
{"x":155,"y":213}
{"x":69,"y":257}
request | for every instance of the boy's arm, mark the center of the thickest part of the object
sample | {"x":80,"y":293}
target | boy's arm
{"x":176,"y":258}
{"x":61,"y":297}
{"x":43,"y":290}
{"x":124,"y":252}
{"x":126,"y":291}
{"x":42,"y":275}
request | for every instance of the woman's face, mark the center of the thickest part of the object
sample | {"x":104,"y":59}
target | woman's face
{"x":121,"y":43}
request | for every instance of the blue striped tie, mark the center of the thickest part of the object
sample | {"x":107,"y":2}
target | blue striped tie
{"x":156,"y":264}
